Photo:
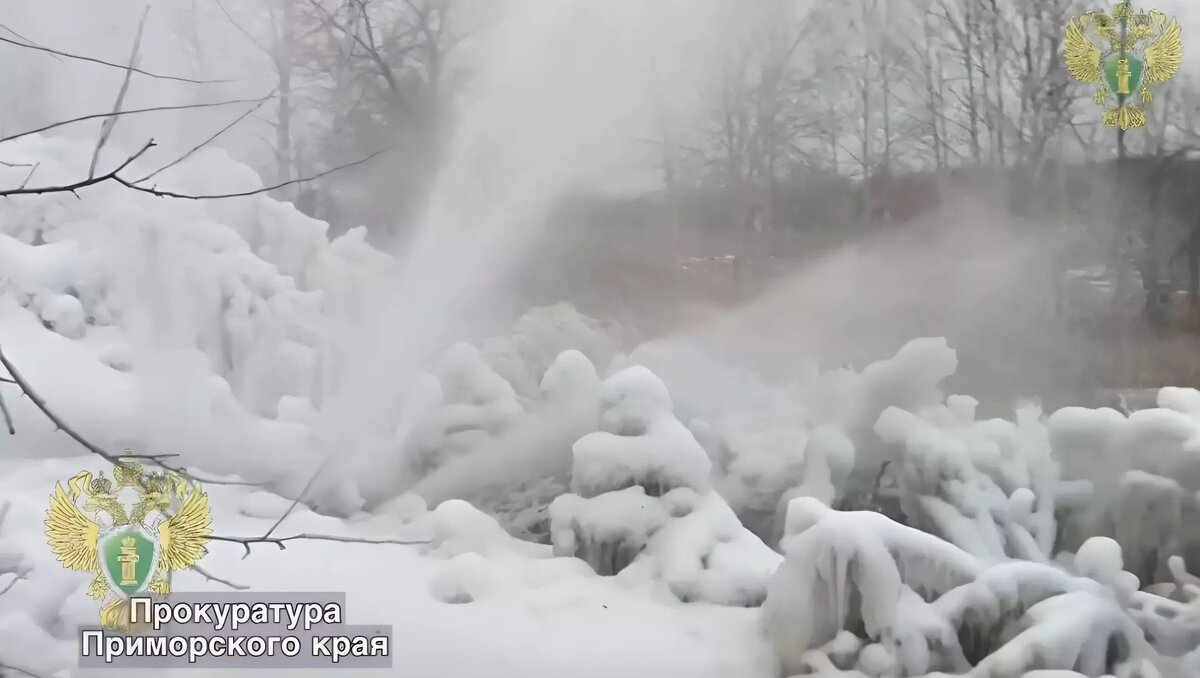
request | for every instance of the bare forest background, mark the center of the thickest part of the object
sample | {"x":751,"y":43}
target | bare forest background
{"x":886,"y":167}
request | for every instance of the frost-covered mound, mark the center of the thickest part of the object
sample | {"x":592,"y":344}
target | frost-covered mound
{"x":643,"y":506}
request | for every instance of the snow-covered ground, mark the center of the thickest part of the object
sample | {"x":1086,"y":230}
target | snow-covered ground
{"x":590,"y":509}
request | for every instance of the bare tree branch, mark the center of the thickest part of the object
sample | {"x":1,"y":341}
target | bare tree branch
{"x":30,"y":45}
{"x":24,"y":672}
{"x":385,"y":69}
{"x":25,"y":181}
{"x":110,"y":122}
{"x":31,"y":42}
{"x":281,"y":542}
{"x":266,"y":538}
{"x":242,"y":194}
{"x":8,"y":420}
{"x":213,"y":578}
{"x":207,"y":141}
{"x":253,"y":41}
{"x":16,"y":578}
{"x":60,"y":424}
{"x":134,"y":111}
{"x":299,"y":497}
{"x":71,"y":188}
{"x":123,"y":460}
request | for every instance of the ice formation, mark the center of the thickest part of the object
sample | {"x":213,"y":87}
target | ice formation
{"x":643,"y":507}
{"x":915,"y":539}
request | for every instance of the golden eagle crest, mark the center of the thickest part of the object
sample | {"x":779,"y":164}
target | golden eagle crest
{"x":130,"y":551}
{"x":1123,"y":54}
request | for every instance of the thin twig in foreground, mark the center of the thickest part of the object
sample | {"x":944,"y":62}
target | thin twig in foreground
{"x":16,"y":578}
{"x":207,"y":141}
{"x":246,"y":542}
{"x":266,"y":538}
{"x":71,"y":188}
{"x":59,"y":423}
{"x":31,"y":42}
{"x":133,"y":111}
{"x":8,"y":420}
{"x":299,"y":498}
{"x":268,"y":189}
{"x":29,"y":176}
{"x":110,"y":122}
{"x":124,"y":460}
{"x":213,"y":578}
{"x":30,"y":45}
{"x":24,"y":672}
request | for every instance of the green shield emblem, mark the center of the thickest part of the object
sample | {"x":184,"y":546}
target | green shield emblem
{"x":1123,"y":78}
{"x":128,"y":559}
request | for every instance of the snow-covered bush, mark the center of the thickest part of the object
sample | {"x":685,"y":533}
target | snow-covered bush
{"x":473,"y":406}
{"x":987,"y":486}
{"x":516,"y":473}
{"x":810,"y":435}
{"x":858,"y":571}
{"x":198,"y":321}
{"x":643,"y":506}
{"x":1145,"y":468}
{"x":539,"y":336}
{"x":860,"y":592}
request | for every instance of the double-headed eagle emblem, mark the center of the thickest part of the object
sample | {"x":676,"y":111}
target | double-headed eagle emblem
{"x":1124,"y":53}
{"x":130,"y":551}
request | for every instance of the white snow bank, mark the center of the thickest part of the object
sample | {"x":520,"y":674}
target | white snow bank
{"x":519,"y":610}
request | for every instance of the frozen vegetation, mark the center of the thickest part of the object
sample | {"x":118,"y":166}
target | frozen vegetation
{"x":591,"y":510}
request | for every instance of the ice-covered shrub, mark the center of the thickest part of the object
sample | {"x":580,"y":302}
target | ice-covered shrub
{"x":1147,"y":512}
{"x":250,"y":283}
{"x":859,"y":592}
{"x":1077,"y":631}
{"x":539,"y":336}
{"x":474,"y":405}
{"x":515,"y":474}
{"x":643,"y":507}
{"x":803,"y":437}
{"x":858,"y":571}
{"x":1102,"y":446}
{"x":195,"y":319}
{"x":988,"y":486}
{"x":909,"y":380}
